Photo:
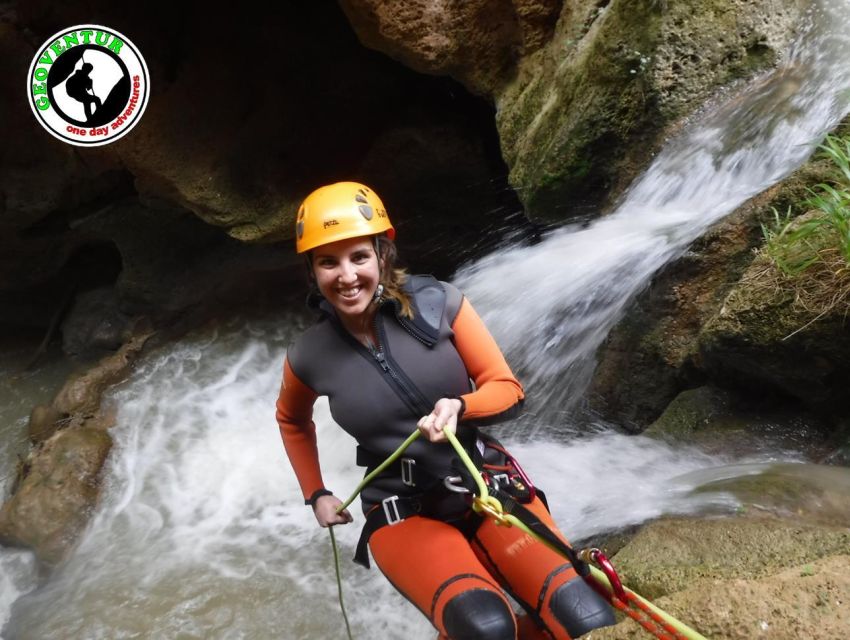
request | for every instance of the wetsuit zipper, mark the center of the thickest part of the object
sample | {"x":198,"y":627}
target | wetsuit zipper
{"x":404,"y":387}
{"x":415,"y":333}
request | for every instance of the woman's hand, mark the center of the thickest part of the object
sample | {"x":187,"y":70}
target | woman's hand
{"x":444,"y":416}
{"x":325,"y":511}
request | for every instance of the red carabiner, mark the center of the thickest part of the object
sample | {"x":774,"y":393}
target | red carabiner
{"x":532,"y":492}
{"x":598,"y":558}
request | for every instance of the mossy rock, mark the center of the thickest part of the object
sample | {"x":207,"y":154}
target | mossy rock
{"x":816,"y":494}
{"x":583,"y":116}
{"x":726,"y":422}
{"x":670,"y":555}
{"x":54,"y":501}
{"x":802,"y":601}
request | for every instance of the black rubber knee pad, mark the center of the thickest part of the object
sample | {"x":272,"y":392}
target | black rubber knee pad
{"x":579,"y":608}
{"x":478,"y":614}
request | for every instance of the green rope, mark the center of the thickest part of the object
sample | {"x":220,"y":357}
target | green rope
{"x":344,"y":506}
{"x":393,"y":457}
{"x":512,"y":520}
{"x":680,"y":627}
{"x":339,"y":582}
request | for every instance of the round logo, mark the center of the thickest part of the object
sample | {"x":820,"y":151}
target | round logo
{"x":88,"y":85}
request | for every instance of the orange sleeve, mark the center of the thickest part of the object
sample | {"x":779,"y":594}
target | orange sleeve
{"x":497,"y":390}
{"x":295,"y":418}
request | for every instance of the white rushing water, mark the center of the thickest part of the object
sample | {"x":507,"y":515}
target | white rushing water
{"x":202,"y":533}
{"x":568,"y":291}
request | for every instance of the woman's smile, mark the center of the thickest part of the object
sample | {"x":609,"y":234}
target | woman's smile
{"x":347,"y":274}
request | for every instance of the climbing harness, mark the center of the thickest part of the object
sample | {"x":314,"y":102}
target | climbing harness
{"x":591,"y":564}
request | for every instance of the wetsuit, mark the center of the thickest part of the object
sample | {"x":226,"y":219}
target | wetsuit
{"x":448,"y":562}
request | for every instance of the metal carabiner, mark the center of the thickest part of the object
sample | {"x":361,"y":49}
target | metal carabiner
{"x":452,"y":483}
{"x":595,"y":556}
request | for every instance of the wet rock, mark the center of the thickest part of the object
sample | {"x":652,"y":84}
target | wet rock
{"x":583,"y":115}
{"x":814,"y":494}
{"x":655,"y":352}
{"x":58,"y":485}
{"x":768,"y":335}
{"x":44,"y":421}
{"x":95,"y":324}
{"x":776,"y":570}
{"x":721,"y":422}
{"x":803,"y":601}
{"x":81,"y":394}
{"x":53,"y":502}
{"x":668,"y":556}
{"x":477,"y":42}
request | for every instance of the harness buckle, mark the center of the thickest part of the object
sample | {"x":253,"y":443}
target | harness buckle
{"x":452,"y":483}
{"x":407,"y":471}
{"x":502,"y":479}
{"x":391,"y":511}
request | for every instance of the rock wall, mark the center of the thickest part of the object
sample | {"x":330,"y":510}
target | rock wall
{"x":706,"y":319}
{"x":584,"y":90}
{"x":238,"y":130}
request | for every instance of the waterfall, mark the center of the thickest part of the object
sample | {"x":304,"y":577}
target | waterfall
{"x":201,"y":530}
{"x":569,"y":290}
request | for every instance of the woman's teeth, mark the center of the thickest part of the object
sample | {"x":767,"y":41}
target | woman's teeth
{"x":350,"y":293}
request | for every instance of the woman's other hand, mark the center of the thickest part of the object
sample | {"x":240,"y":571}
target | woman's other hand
{"x":326,"y":514}
{"x":444,"y":416}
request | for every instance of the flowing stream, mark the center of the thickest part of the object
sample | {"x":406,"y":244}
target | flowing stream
{"x":571,"y":289}
{"x":202,"y":533}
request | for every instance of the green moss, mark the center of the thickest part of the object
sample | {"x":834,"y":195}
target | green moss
{"x":584,"y":117}
{"x":670,"y":555}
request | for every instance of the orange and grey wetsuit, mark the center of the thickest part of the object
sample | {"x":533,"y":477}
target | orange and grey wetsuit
{"x":450,"y":564}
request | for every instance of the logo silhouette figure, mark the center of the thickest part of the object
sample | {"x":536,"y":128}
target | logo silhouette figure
{"x":79,"y":87}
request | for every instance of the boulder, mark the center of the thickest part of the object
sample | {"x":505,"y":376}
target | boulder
{"x":53,"y":502}
{"x":658,"y":349}
{"x":582,"y":116}
{"x":722,"y":422}
{"x":476,"y":42}
{"x":785,"y":332}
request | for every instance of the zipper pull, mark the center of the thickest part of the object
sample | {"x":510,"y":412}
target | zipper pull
{"x":379,"y":356}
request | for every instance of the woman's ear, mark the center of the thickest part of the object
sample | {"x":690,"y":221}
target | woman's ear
{"x":308,"y":263}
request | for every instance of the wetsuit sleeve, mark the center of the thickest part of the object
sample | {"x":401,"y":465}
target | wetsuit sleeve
{"x":498,"y":394}
{"x":295,"y":418}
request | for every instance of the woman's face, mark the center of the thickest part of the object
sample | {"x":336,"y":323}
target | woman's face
{"x":347,"y":274}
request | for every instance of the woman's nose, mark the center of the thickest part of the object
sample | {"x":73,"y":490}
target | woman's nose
{"x":347,"y":272}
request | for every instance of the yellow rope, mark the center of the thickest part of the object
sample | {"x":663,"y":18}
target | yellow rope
{"x":489,"y":505}
{"x":339,"y":582}
{"x":393,"y":457}
{"x":485,"y":503}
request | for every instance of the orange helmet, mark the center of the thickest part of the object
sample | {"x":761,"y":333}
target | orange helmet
{"x":337,"y":212}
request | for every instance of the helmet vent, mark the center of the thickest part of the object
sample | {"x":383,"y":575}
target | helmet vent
{"x":365,"y":211}
{"x":361,"y":199}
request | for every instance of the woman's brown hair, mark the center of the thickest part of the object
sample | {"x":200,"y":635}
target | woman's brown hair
{"x":392,"y":277}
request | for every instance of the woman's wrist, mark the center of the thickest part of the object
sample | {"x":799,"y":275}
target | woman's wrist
{"x":462,"y":404}
{"x":318,"y":493}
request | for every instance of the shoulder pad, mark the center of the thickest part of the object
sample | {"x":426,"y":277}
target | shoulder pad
{"x":428,"y":298}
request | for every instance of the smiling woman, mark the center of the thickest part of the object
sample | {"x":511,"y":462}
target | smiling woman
{"x":347,"y":273}
{"x":391,"y":350}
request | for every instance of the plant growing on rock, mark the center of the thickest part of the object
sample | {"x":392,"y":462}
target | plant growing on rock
{"x":806,"y":259}
{"x":823,"y":234}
